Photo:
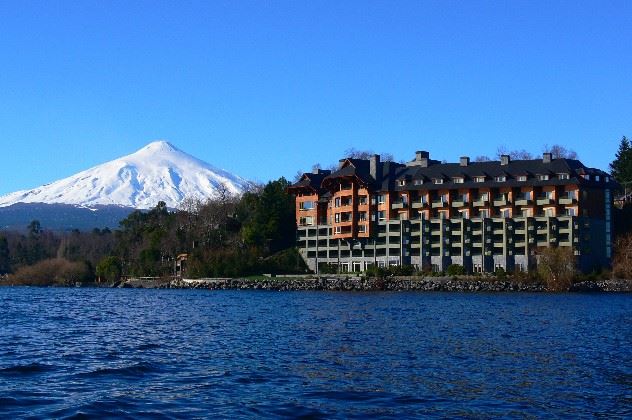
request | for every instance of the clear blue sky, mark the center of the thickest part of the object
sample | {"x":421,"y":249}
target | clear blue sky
{"x":267,"y":88}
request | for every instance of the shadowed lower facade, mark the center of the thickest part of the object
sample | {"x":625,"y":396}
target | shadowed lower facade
{"x":481,"y":215}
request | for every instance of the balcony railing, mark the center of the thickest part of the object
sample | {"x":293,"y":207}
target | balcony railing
{"x":500,"y":201}
{"x":399,"y":205}
{"x":542,"y":201}
{"x":568,"y":200}
{"x":439,"y":203}
{"x":481,"y":202}
{"x":523,"y":202}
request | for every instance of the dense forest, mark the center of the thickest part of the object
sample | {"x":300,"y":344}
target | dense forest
{"x":226,"y":236}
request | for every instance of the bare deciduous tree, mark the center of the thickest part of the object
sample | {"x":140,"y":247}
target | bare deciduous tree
{"x":622,"y":261}
{"x":556,"y":265}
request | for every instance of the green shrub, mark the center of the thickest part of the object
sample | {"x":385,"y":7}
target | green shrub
{"x":455,"y":270}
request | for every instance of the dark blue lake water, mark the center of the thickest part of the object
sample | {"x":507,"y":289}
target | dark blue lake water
{"x":188,"y":353}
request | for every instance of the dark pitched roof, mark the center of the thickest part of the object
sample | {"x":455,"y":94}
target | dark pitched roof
{"x":386,"y":173}
{"x":493,"y":169}
{"x":310,"y":180}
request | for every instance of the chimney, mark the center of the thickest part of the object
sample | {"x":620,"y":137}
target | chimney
{"x":546,"y":157}
{"x":504,"y":160}
{"x":422,"y":157}
{"x":341,"y":162}
{"x":465,"y":161}
{"x":374,"y":166}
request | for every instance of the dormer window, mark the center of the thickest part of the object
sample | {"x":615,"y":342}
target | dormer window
{"x":479,"y":179}
{"x":563,"y":176}
{"x":522,"y":178}
{"x":418,"y":181}
{"x":457,"y":180}
{"x":438,"y":180}
{"x":597,"y":178}
{"x":501,"y":178}
{"x":543,"y":177}
{"x":607,"y":179}
{"x":586,"y":177}
{"x":402,"y":182}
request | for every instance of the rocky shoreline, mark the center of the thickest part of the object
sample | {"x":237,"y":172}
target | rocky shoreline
{"x":342,"y":283}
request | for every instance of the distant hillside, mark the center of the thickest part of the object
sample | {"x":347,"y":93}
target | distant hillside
{"x":61,"y":216}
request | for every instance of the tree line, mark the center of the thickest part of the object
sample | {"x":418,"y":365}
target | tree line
{"x":225,"y":236}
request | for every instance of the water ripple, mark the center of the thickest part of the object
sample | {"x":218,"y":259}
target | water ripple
{"x":86,"y":353}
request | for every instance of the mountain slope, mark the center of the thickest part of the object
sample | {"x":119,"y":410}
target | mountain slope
{"x":157,"y":172}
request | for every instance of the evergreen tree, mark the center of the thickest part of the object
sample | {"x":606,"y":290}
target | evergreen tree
{"x":4,"y":256}
{"x":621,"y":167}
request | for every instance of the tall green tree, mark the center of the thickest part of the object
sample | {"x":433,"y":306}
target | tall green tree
{"x":268,"y":219}
{"x":621,"y":167}
{"x":5,"y":260}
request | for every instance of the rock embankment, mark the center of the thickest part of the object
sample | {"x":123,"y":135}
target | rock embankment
{"x":360,"y":284}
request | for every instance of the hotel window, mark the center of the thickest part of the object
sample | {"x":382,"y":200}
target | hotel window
{"x":465,"y":214}
{"x":363,"y":200}
{"x":438,"y":180}
{"x":607,"y":179}
{"x":457,"y":180}
{"x":500,"y":178}
{"x":444,"y":198}
{"x":381,"y":215}
{"x":381,"y":199}
{"x":563,"y":176}
{"x":526,"y":195}
{"x":479,"y":179}
{"x":306,"y":205}
{"x":361,"y":228}
{"x":337,"y":217}
{"x":543,"y":177}
{"x":443,"y":214}
{"x":526,"y":213}
{"x":549,"y":212}
{"x":597,"y":178}
{"x":483,"y":196}
{"x":306,"y":221}
{"x":506,"y":213}
{"x":570,"y":211}
{"x":337,"y":202}
{"x":338,"y":229}
{"x":483,"y":213}
{"x":362,"y":216}
{"x":522,"y":178}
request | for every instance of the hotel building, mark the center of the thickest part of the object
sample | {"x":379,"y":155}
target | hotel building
{"x":481,"y":215}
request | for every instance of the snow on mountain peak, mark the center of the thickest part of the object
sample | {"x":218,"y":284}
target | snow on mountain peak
{"x":157,"y":172}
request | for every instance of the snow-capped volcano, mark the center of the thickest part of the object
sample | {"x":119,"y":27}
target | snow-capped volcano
{"x":157,"y":172}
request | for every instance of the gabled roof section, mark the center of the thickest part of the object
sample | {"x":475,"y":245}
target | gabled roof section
{"x":310,"y":181}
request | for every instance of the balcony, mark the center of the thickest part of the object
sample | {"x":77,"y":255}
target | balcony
{"x":568,"y":200}
{"x":459,"y":203}
{"x":523,"y":202}
{"x":419,"y":204}
{"x":440,"y":203}
{"x":500,"y":201}
{"x":399,"y":205}
{"x":543,"y":201}
{"x":481,"y":202}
